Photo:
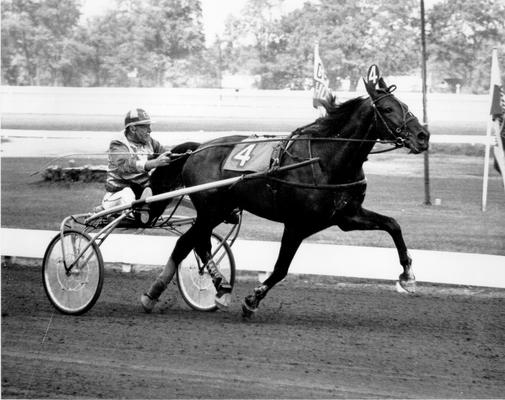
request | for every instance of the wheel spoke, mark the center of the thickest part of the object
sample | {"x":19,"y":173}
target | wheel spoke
{"x":75,"y":291}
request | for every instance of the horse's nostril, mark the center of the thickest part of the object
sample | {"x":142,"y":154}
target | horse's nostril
{"x":422,"y":136}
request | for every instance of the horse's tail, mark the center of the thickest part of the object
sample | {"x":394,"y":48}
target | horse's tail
{"x":168,"y":178}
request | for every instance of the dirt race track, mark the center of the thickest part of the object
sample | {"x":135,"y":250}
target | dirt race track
{"x":312,"y":338}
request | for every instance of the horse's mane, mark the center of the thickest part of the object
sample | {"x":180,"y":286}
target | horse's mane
{"x":338,"y":116}
{"x":343,"y":110}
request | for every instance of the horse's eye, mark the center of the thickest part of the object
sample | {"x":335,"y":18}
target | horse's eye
{"x":388,"y":110}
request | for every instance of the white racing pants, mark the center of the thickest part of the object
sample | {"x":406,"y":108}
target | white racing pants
{"x":123,"y":197}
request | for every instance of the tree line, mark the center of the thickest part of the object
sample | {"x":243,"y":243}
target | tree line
{"x":157,"y":43}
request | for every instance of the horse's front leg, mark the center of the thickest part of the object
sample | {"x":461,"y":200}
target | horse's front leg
{"x":291,"y":240}
{"x":368,"y":220}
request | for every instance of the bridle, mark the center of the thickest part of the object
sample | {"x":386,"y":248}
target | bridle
{"x":400,"y":133}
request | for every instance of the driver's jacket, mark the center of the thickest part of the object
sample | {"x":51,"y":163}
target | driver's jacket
{"x":127,"y":162}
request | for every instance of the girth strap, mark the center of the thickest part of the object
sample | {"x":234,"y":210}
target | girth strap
{"x":337,"y":186}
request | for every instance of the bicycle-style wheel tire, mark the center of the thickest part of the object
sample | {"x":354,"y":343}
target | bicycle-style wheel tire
{"x":75,"y":292}
{"x":195,"y":285}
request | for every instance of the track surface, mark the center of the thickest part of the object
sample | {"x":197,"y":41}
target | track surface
{"x":312,"y":338}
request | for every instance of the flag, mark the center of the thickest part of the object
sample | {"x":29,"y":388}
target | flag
{"x":322,"y":94}
{"x":497,"y":102}
{"x":498,"y":149}
{"x":497,"y":114}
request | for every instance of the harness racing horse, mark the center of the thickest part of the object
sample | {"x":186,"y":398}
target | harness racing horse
{"x":307,"y":199}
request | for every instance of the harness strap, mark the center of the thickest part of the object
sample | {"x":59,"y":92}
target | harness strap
{"x":281,"y":149}
{"x":309,"y":149}
{"x":337,"y":186}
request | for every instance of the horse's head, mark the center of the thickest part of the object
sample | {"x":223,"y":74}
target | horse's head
{"x":393,"y":116}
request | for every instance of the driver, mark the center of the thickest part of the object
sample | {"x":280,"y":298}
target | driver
{"x":132,"y":155}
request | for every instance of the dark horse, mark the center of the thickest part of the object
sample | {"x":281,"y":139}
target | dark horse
{"x":307,"y":199}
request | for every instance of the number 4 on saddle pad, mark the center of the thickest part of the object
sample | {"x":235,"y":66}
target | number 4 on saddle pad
{"x":251,"y":156}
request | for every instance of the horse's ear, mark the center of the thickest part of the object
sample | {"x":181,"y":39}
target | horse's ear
{"x":382,"y":84}
{"x":370,"y":88}
{"x":373,"y":75}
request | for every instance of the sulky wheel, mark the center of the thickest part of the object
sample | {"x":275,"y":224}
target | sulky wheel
{"x":195,"y":283}
{"x":74,"y":291}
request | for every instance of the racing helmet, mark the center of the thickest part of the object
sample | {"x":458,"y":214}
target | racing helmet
{"x":137,"y":116}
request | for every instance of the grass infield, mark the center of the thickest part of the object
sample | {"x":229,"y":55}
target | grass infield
{"x":455,"y":225}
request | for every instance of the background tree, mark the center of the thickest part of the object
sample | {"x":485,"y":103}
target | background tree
{"x":161,"y":42}
{"x":249,"y":40}
{"x":352,"y":36}
{"x":36,"y":36}
{"x":97,"y":43}
{"x":170,"y":31}
{"x":461,"y":34}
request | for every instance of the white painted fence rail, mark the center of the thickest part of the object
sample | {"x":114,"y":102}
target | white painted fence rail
{"x":311,"y":258}
{"x":180,"y":102}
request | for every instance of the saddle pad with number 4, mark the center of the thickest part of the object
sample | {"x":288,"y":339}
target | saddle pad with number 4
{"x":251,"y":156}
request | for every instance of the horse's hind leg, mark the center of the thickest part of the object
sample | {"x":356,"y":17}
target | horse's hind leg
{"x":368,"y":220}
{"x":197,"y":237}
{"x":291,"y":240}
{"x":182,"y":248}
{"x":203,"y":248}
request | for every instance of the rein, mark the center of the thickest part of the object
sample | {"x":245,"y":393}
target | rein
{"x":210,"y":146}
{"x":397,"y":143}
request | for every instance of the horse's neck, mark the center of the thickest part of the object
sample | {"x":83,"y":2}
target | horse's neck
{"x":345,"y":159}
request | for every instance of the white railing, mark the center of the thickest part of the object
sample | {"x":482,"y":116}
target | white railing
{"x":215,"y":103}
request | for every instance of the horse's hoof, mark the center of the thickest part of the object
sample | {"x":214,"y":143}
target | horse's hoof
{"x":247,"y":312}
{"x":223,"y":301}
{"x":408,"y":285}
{"x":147,"y":303}
{"x":399,"y":288}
